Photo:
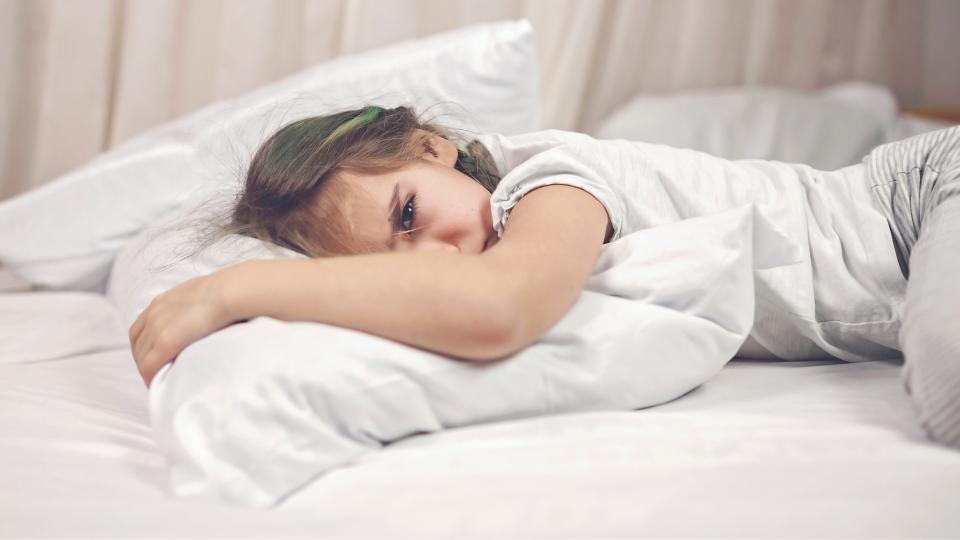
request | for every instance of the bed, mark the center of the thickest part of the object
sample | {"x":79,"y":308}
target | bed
{"x":763,"y":449}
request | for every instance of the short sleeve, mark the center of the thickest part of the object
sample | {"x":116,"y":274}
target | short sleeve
{"x":570,"y":164}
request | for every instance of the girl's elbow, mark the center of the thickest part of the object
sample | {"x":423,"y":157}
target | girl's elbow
{"x":513,"y":327}
{"x":498,"y":335}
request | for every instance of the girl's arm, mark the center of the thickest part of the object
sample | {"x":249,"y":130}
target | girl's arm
{"x":476,"y":307}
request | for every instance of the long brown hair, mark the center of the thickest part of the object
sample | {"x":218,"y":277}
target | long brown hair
{"x":287,"y":198}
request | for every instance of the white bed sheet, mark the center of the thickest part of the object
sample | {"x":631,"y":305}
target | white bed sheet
{"x":766,"y":449}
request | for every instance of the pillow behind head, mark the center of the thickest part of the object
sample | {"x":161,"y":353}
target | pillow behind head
{"x":65,"y":234}
{"x":164,"y":254}
{"x":257,"y":409}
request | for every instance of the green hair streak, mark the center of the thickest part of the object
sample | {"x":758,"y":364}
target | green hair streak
{"x":366,"y":116}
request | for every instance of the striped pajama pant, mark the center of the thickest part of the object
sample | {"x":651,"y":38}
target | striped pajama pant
{"x":916,"y":183}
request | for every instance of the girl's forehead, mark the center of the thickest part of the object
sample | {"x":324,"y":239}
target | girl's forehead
{"x":363,"y":190}
{"x":363,"y":202}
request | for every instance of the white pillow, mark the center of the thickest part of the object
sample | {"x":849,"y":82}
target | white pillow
{"x":256,"y":410}
{"x":827,"y":129}
{"x":83,"y":323}
{"x":65,"y":234}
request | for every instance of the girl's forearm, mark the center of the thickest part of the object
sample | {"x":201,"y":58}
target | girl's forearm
{"x":454,"y":304}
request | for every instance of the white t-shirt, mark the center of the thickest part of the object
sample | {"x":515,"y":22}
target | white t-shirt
{"x":843,"y":300}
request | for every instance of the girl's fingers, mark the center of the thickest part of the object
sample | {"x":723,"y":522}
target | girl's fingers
{"x":136,"y":344}
{"x":137,"y":327}
{"x":154,"y":350}
{"x":151,"y":365}
{"x":146,"y":342}
{"x":156,"y":359}
{"x":147,"y":371}
{"x":141,"y":350}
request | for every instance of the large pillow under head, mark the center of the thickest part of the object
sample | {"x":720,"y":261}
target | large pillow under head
{"x":65,"y":234}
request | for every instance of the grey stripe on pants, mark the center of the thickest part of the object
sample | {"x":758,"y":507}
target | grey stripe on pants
{"x":916,"y":181}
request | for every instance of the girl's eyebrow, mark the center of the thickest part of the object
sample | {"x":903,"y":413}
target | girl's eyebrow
{"x":393,"y":211}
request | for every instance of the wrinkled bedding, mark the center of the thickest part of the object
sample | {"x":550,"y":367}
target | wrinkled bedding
{"x":763,"y":449}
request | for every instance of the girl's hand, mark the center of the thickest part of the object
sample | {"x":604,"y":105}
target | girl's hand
{"x":176,"y":318}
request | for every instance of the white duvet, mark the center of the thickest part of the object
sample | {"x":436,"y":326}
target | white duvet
{"x":844,"y":296}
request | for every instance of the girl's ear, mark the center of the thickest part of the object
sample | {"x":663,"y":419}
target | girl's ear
{"x":439,"y":149}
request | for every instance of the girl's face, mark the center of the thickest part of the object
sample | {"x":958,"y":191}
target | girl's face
{"x":426,"y":205}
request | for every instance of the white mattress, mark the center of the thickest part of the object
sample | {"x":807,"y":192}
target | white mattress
{"x":766,"y":449}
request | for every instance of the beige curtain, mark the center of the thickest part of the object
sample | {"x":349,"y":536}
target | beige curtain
{"x":80,"y":77}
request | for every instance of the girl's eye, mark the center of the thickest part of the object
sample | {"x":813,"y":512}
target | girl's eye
{"x":408,"y":214}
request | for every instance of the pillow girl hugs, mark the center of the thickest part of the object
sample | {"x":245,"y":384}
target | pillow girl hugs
{"x":395,"y":217}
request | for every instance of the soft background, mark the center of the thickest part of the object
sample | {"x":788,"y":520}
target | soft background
{"x":80,"y":77}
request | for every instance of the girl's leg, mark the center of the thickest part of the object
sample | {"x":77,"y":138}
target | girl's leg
{"x":930,"y":332}
{"x":916,"y":182}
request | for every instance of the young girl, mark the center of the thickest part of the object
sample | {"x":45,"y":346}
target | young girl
{"x":434,"y":263}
